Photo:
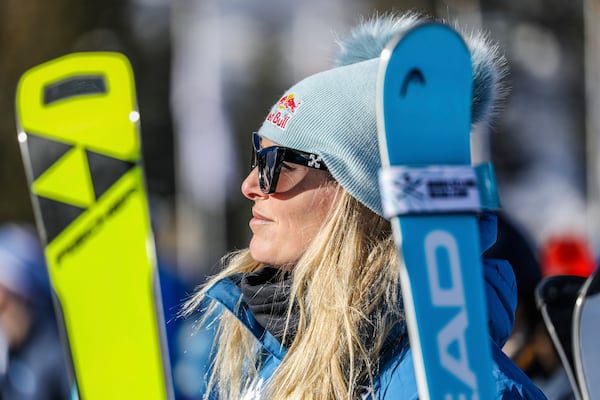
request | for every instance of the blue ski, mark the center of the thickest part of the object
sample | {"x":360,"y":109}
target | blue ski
{"x":429,"y":190}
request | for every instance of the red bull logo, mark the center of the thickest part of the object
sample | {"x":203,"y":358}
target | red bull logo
{"x":288,"y":103}
{"x":284,"y":110}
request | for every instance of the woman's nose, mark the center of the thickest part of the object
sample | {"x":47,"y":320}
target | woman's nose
{"x":250,"y":186}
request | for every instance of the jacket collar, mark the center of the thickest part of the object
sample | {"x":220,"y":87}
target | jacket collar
{"x":230,"y":296}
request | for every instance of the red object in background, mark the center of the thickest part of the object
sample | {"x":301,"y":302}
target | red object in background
{"x":567,"y":255}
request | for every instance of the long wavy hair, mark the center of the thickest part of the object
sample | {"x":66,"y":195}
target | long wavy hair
{"x":346,"y":298}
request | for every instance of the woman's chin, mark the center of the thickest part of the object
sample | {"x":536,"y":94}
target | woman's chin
{"x":269,"y":254}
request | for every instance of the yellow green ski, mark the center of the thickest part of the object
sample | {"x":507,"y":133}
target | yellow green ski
{"x":78,"y":129}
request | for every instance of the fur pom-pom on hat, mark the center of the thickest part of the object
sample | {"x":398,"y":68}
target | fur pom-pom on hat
{"x":333,"y":113}
{"x":490,"y":70}
{"x":367,"y":41}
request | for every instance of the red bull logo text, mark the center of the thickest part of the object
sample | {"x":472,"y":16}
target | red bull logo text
{"x":284,"y":110}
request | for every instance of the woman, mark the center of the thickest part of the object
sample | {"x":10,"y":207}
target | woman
{"x":313,"y":306}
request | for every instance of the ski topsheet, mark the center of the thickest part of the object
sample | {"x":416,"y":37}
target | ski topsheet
{"x":78,"y":129}
{"x":429,"y":191}
{"x":556,"y":297}
{"x":586,"y":354}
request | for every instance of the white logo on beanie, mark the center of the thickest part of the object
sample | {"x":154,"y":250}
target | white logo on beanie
{"x":284,"y":110}
{"x":315,"y":161}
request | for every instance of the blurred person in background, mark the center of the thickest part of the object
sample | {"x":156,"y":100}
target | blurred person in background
{"x":529,"y":345}
{"x":33,"y":364}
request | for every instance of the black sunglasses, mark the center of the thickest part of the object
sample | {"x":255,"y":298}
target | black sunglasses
{"x":270,"y":159}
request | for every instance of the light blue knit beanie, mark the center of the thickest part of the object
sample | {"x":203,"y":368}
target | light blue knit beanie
{"x":332,"y":113}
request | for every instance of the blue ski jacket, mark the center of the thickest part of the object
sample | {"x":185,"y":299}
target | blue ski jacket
{"x":396,"y":379}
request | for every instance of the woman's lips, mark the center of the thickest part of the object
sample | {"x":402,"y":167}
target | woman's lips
{"x":258,"y":218}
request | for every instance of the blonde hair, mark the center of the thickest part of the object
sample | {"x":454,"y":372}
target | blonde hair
{"x":346,"y":298}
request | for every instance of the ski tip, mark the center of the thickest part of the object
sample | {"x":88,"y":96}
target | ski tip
{"x":70,"y":75}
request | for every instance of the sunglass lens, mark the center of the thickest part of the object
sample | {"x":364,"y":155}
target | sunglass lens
{"x":268,"y":162}
{"x":253,"y":159}
{"x":270,"y":170}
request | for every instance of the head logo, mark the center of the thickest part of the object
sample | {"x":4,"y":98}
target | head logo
{"x":284,"y":110}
